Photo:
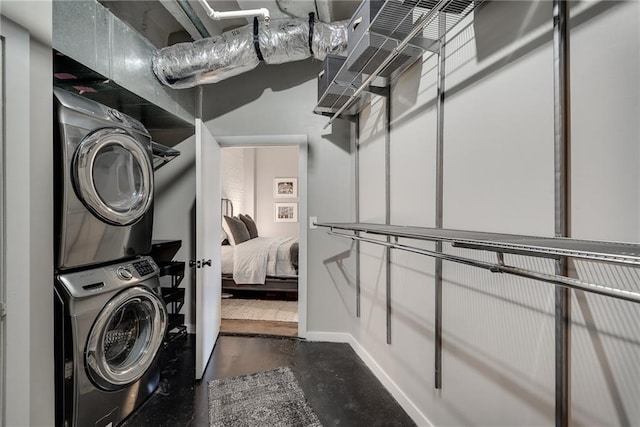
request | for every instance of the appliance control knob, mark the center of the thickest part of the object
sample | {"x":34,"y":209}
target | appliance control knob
{"x":115,"y":115}
{"x":124,"y":273}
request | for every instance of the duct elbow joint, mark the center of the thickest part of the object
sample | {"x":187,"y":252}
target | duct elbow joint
{"x":265,"y":14}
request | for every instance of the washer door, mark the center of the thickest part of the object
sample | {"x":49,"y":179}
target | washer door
{"x":113,"y":176}
{"x":125,"y":338}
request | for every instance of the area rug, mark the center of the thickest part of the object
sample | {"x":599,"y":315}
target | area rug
{"x":251,"y":309}
{"x":267,"y":398}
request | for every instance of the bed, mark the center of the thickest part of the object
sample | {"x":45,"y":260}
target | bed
{"x":256,"y":264}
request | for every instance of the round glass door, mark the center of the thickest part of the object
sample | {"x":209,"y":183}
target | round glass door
{"x":125,"y":338}
{"x":113,"y":176}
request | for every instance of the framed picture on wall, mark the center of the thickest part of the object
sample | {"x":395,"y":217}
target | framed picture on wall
{"x":285,"y":188}
{"x":286,"y":212}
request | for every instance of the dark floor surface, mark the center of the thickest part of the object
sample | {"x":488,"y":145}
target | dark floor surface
{"x":340,"y":388}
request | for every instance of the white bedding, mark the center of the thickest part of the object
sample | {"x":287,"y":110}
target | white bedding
{"x":252,"y":261}
{"x":227,"y":259}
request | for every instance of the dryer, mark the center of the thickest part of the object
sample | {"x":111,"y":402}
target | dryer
{"x":104,"y":184}
{"x":110,"y":326}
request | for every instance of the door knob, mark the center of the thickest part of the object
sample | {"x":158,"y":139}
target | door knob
{"x":207,"y":262}
{"x":192,"y":263}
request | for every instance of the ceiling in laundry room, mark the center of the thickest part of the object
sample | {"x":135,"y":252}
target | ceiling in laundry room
{"x":166,"y":22}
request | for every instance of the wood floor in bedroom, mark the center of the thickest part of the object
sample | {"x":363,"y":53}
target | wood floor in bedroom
{"x":338,"y":385}
{"x":258,"y":327}
{"x":266,"y":315}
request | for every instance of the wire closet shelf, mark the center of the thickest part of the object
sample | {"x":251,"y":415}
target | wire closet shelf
{"x":547,"y":247}
{"x":399,"y":34}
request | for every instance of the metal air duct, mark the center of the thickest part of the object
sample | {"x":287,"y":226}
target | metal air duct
{"x":234,"y":52}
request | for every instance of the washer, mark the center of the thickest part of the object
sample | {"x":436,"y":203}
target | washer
{"x":103,"y":183}
{"x":110,"y":326}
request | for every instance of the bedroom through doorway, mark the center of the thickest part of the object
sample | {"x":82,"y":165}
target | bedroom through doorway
{"x":260,"y":240}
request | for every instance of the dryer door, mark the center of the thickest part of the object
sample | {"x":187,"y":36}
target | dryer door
{"x":125,"y":338}
{"x":113,"y":176}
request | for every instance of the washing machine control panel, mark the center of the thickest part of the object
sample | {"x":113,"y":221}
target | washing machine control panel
{"x":108,"y":278}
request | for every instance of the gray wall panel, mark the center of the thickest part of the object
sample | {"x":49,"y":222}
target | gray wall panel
{"x":29,"y":214}
{"x":498,"y":358}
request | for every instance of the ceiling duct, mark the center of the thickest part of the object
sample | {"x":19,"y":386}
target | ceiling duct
{"x":234,"y":52}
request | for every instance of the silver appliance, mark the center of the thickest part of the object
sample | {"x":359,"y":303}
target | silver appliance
{"x":110,"y":325}
{"x":104,"y":183}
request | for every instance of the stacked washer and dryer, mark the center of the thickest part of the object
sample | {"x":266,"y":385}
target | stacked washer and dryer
{"x":110,"y":317}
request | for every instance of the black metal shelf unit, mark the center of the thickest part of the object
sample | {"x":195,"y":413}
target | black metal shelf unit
{"x":173,"y":295}
{"x":162,"y":155}
{"x":174,"y":298}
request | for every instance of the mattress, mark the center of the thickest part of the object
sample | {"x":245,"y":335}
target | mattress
{"x":251,"y":262}
{"x":227,"y":259}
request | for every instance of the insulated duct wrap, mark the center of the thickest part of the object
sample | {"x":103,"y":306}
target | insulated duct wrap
{"x":214,"y":59}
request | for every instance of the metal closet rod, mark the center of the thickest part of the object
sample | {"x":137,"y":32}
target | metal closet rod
{"x":500,"y":267}
{"x":420,"y":24}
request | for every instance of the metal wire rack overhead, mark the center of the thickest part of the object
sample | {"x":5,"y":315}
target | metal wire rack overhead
{"x":384,"y":44}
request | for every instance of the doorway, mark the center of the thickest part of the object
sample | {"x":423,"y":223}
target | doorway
{"x":253,"y":170}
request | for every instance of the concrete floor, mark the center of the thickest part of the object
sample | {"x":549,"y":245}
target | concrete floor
{"x":339,"y":387}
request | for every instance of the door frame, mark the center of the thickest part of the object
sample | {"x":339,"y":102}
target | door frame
{"x":302,"y":142}
{"x":3,"y":248}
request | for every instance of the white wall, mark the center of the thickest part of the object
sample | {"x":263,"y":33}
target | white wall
{"x":233,"y":174}
{"x":29,"y":214}
{"x":606,"y":205}
{"x":249,"y":202}
{"x":273,"y":162}
{"x":247,"y":180}
{"x":498,"y":358}
{"x":278,"y":100}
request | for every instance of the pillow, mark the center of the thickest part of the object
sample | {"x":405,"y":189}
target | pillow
{"x":236,"y":230}
{"x":250,"y":224}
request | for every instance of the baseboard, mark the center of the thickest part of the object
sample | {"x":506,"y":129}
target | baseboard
{"x":191,"y":329}
{"x":402,"y":399}
{"x":406,"y":403}
{"x":328,"y":337}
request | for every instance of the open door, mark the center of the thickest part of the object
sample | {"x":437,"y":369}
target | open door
{"x":208,"y":278}
{"x":2,"y":303}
